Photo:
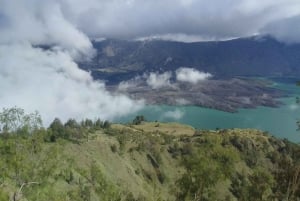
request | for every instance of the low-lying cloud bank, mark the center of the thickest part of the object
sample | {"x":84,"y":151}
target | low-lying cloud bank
{"x":51,"y":82}
{"x":174,"y":114}
{"x":156,"y":80}
{"x":61,"y":22}
{"x":191,"y":75}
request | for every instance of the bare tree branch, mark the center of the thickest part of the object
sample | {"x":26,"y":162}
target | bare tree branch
{"x":16,"y":195}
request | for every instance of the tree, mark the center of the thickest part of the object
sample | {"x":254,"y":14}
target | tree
{"x":106,"y":124}
{"x":25,"y":163}
{"x":261,"y":184}
{"x":72,"y":123}
{"x":138,"y":120}
{"x":98,"y":124}
{"x":72,"y":129}
{"x":287,"y":176}
{"x":57,"y":130}
{"x":240,"y":186}
{"x":15,"y":120}
{"x":204,"y":169}
{"x":87,"y":123}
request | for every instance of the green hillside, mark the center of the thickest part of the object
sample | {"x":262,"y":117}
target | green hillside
{"x":148,"y":161}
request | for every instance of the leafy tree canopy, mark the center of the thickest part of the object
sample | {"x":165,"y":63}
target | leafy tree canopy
{"x":15,"y":120}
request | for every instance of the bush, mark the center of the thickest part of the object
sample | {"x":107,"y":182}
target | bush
{"x":106,"y":125}
{"x":114,"y":148}
{"x":57,"y":130}
{"x":138,"y":120}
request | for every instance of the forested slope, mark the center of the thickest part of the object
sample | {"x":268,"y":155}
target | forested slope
{"x":95,"y":160}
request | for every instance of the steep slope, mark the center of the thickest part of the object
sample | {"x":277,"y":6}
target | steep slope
{"x":150,"y":161}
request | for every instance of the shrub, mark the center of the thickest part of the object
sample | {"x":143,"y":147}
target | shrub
{"x":114,"y":148}
{"x":106,"y":125}
{"x":138,"y":120}
{"x":57,"y":129}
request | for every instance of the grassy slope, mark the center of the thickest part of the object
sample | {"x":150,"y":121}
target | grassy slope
{"x":143,"y":160}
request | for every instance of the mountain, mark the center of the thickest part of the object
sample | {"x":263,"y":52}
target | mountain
{"x":147,"y":161}
{"x":118,"y":60}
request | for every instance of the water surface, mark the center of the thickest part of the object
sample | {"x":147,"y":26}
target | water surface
{"x":280,"y":122}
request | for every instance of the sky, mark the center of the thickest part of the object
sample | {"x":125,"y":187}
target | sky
{"x":51,"y":82}
{"x":64,"y":21}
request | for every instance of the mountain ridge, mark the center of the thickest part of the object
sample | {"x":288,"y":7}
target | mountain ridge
{"x":254,"y":56}
{"x":147,"y":161}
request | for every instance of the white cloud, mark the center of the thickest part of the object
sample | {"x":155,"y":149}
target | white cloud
{"x":284,"y":29}
{"x":175,"y":114}
{"x":293,"y":107}
{"x":125,"y":85}
{"x":180,"y":37}
{"x":66,"y":21}
{"x":42,"y":23}
{"x":191,"y":75}
{"x":156,"y":80}
{"x":52,"y":83}
{"x":49,"y":80}
{"x":216,"y":19}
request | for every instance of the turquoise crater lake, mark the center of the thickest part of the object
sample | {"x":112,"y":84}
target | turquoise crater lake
{"x":280,"y":122}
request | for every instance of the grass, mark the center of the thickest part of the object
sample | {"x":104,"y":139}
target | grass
{"x":146,"y":161}
{"x":174,"y":129}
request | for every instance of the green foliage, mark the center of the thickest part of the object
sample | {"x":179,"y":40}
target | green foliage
{"x":106,"y":125}
{"x":104,"y":189}
{"x":15,"y":120}
{"x":72,"y":130}
{"x":138,"y":120}
{"x":85,"y":193}
{"x":204,"y":169}
{"x":98,"y":124}
{"x":122,"y":139}
{"x":240,"y":186}
{"x":87,"y":123}
{"x":261,"y":185}
{"x":114,"y":148}
{"x":24,"y":160}
{"x":287,"y":177}
{"x":247,"y":165}
{"x":57,"y":130}
{"x":95,"y":125}
{"x":3,"y":196}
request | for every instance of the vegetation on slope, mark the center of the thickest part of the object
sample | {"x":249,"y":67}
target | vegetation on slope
{"x":94,"y":160}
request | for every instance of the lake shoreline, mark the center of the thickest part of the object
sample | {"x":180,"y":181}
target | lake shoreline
{"x":280,"y":121}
